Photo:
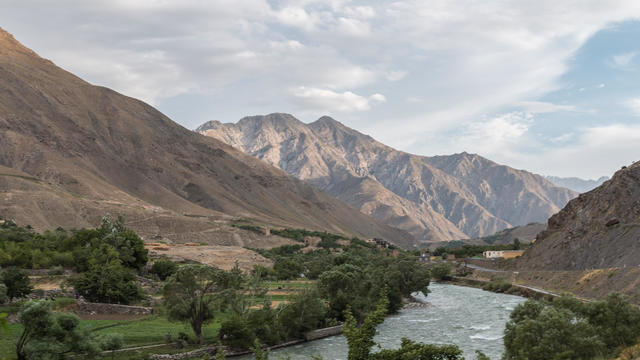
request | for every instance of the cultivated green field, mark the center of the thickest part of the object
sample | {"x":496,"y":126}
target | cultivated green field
{"x":150,"y":330}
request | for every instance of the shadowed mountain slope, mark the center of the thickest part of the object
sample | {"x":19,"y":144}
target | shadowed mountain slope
{"x":91,"y":149}
{"x":599,"y":229}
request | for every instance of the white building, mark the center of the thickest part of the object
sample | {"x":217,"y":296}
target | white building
{"x":493,"y":254}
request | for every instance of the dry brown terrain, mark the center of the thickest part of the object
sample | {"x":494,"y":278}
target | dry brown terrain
{"x":71,"y":151}
{"x":223,"y":257}
{"x":598,"y":230}
{"x":588,"y":284}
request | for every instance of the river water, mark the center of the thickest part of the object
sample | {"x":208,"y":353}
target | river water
{"x":471,"y":318}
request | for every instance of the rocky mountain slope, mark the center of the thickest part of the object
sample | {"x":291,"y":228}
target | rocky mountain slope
{"x":70,"y":151}
{"x":599,"y":229}
{"x":577,"y":184}
{"x":434,"y":198}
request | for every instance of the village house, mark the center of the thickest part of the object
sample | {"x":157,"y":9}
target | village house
{"x":502,"y":254}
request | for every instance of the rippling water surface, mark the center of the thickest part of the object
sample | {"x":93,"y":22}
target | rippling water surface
{"x":470,"y":318}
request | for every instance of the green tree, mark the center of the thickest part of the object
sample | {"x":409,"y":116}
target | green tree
{"x":193,"y":293}
{"x":616,"y":320}
{"x":441,"y":271}
{"x":516,"y":244}
{"x":129,"y":245}
{"x":3,"y":293}
{"x":110,"y":283}
{"x":417,"y":351}
{"x":539,"y":332}
{"x":17,"y":283}
{"x":112,"y":342}
{"x":51,"y":336}
{"x":360,"y":338}
{"x":4,"y":323}
{"x":164,"y":268}
{"x":286,"y":269}
{"x":258,"y":352}
{"x":306,"y":312}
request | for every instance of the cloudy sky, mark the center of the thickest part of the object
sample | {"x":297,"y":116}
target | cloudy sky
{"x":548,"y":86}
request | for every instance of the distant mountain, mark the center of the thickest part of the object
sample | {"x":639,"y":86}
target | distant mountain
{"x":577,"y":184}
{"x":434,"y":198}
{"x":524,"y":233}
{"x":71,"y":151}
{"x":599,"y":229}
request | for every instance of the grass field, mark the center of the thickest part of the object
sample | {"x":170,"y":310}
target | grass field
{"x":149,"y":330}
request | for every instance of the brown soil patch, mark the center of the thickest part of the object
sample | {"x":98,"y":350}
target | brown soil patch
{"x":223,"y":257}
{"x":283,"y":292}
{"x":274,"y":304}
{"x":46,"y":283}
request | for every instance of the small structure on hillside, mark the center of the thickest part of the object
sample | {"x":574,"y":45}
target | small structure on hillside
{"x":502,"y":254}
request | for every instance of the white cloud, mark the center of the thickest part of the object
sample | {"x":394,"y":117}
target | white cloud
{"x":328,"y":100}
{"x":598,"y":151}
{"x":361,"y":12}
{"x":496,"y":135}
{"x":297,"y":17}
{"x":395,"y":75}
{"x":465,"y":58}
{"x":562,"y":138}
{"x":633,"y":105}
{"x":623,"y":61}
{"x":540,"y":107}
{"x":353,"y":27}
{"x":413,"y":99}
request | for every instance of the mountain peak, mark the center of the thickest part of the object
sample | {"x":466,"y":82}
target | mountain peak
{"x":336,"y":127}
{"x":281,"y":119}
{"x":211,"y":124}
{"x":328,"y":121}
{"x":9,"y":44}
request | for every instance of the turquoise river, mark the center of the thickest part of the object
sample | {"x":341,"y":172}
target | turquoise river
{"x":471,"y":318}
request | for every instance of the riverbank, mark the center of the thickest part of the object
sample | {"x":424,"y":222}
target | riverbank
{"x":515,"y":289}
{"x":464,"y":316}
{"x":587,"y":285}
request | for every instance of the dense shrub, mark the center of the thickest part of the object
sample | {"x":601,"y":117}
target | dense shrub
{"x":441,"y":271}
{"x":110,"y":283}
{"x":569,"y":329}
{"x":498,"y":286}
{"x":164,"y":268}
{"x":17,"y":283}
{"x":22,"y":247}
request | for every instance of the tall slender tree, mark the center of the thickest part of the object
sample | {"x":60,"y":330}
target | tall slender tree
{"x":194,"y":293}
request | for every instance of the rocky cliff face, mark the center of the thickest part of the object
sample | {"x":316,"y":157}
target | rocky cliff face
{"x":434,"y":198}
{"x":599,"y":229}
{"x":69,"y":151}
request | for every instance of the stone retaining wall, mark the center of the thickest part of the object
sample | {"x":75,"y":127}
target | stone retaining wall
{"x":100,"y":308}
{"x":323,"y":333}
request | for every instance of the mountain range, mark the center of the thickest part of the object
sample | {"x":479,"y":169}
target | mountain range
{"x":71,"y":151}
{"x":577,"y":184}
{"x":435,"y":198}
